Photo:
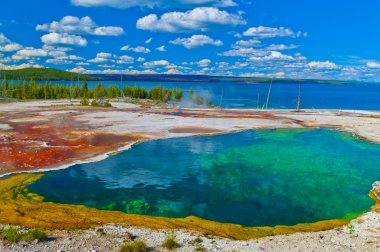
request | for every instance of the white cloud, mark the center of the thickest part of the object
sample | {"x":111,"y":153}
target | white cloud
{"x":196,"y":41}
{"x":269,"y":32}
{"x":204,"y":63}
{"x":198,"y":19}
{"x":63,"y":39}
{"x":82,"y":64}
{"x":273,"y":55}
{"x":373,"y":64}
{"x":152,"y":64}
{"x":6,"y":45}
{"x":148,"y":41}
{"x":59,"y":61}
{"x":76,"y":25}
{"x":161,"y":48}
{"x":138,"y":49}
{"x":4,"y":40}
{"x":78,"y":70}
{"x":10,"y":47}
{"x":243,"y":52}
{"x":125,"y":59}
{"x":29,"y":52}
{"x":141,"y":59}
{"x":62,"y":59}
{"x":173,"y":71}
{"x":247,"y":43}
{"x":322,"y":65}
{"x":102,"y":57}
{"x":280,"y":47}
{"x":124,"y":4}
{"x":21,"y":66}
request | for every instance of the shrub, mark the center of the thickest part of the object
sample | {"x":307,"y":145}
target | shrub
{"x":11,"y":234}
{"x":84,"y":102}
{"x":200,"y":248}
{"x":34,"y":234}
{"x":94,"y":103}
{"x":134,"y":246}
{"x":196,"y":241}
{"x":14,"y":234}
{"x":170,"y":242}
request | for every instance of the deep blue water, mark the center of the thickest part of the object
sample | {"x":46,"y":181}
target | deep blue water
{"x":253,"y":178}
{"x":283,"y":96}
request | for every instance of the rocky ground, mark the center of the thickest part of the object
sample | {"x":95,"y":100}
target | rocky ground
{"x":362,"y":234}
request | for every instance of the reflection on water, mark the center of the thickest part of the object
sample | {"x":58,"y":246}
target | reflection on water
{"x":253,"y":178}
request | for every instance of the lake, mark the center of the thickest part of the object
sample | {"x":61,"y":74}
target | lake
{"x":283,"y":95}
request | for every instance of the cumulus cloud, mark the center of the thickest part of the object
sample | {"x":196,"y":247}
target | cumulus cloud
{"x":204,"y":63}
{"x":10,"y":47}
{"x":373,"y":64}
{"x":125,"y":59}
{"x":138,"y":49}
{"x":63,"y":39}
{"x":173,"y":71}
{"x":273,"y":55}
{"x":156,"y":63}
{"x":270,"y":32}
{"x":29,"y":52}
{"x":102,"y":57}
{"x":161,"y":48}
{"x":281,"y":47}
{"x":76,"y":25}
{"x":21,"y":66}
{"x":198,"y":19}
{"x":247,"y":43}
{"x":125,"y":4}
{"x":322,"y":65}
{"x":6,"y":45}
{"x":4,"y":40}
{"x":196,"y":41}
{"x":243,"y":52}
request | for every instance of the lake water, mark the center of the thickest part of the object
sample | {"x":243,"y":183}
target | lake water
{"x":283,"y":96}
{"x":253,"y":178}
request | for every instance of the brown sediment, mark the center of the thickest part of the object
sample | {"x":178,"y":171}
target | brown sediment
{"x":31,"y":145}
{"x":18,"y":206}
{"x":194,"y":130}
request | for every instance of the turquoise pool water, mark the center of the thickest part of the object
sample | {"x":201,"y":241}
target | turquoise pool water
{"x":253,"y":178}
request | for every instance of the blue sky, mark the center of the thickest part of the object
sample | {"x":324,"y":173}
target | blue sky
{"x":294,"y":38}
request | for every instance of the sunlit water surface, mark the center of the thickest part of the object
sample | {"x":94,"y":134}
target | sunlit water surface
{"x":365,"y":96}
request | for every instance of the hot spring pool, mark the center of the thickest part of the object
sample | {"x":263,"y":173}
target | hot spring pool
{"x":253,"y":178}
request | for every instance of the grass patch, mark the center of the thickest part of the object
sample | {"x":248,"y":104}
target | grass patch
{"x":200,"y":248}
{"x":34,"y":234}
{"x":15,"y":234}
{"x":170,"y":242}
{"x":134,"y":246}
{"x":196,"y":241}
{"x":11,"y":234}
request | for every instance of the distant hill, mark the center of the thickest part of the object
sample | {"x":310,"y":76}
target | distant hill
{"x":206,"y":78}
{"x":43,"y":74}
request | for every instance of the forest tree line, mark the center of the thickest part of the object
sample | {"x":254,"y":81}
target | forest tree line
{"x":24,"y":90}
